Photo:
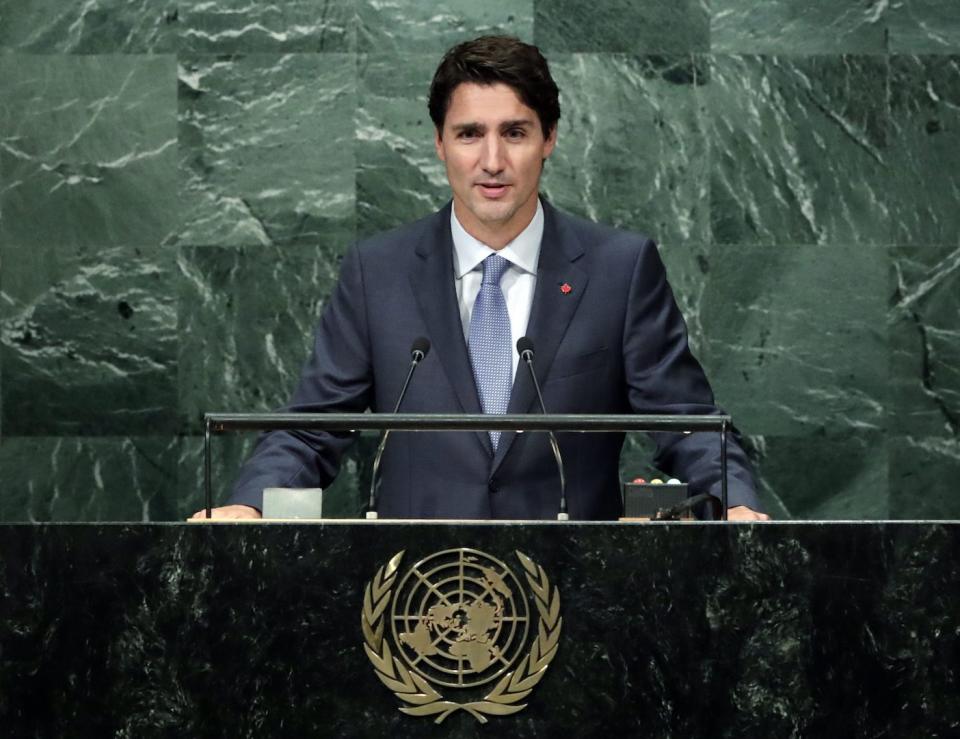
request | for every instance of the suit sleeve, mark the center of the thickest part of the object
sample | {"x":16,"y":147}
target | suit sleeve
{"x":664,"y":377}
{"x":337,"y":377}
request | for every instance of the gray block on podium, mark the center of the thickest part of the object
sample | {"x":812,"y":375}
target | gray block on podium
{"x":292,"y":503}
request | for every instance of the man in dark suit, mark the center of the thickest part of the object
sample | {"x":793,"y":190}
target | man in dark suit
{"x":495,"y":264}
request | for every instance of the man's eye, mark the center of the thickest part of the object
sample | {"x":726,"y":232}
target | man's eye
{"x":515,"y":133}
{"x":467,"y":135}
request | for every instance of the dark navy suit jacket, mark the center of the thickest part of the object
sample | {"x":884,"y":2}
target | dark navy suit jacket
{"x":614,"y":343}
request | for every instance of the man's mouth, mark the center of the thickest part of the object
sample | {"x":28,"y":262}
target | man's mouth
{"x":492,"y":189}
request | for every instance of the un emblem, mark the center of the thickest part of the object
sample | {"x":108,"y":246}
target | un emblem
{"x":460,"y":619}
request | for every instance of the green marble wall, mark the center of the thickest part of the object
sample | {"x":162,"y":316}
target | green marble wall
{"x":178,"y":181}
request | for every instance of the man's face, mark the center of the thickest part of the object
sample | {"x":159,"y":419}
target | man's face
{"x":493,"y":147}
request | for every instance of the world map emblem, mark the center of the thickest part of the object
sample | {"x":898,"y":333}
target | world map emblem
{"x":459,"y":623}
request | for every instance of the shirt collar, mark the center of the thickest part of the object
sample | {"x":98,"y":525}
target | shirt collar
{"x":523,"y":251}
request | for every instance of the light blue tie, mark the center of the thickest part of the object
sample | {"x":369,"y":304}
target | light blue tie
{"x":491,"y":350}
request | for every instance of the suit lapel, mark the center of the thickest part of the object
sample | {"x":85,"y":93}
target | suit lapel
{"x":433,"y":285}
{"x":551,"y":312}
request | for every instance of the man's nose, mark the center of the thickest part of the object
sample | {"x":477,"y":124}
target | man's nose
{"x":491,"y":159}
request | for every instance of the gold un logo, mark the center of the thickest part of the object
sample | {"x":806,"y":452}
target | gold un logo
{"x":460,"y":619}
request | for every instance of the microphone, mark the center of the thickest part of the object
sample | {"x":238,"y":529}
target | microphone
{"x":673,"y":513}
{"x":525,"y":350}
{"x":418,"y":350}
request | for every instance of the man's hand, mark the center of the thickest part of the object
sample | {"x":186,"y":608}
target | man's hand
{"x":742,"y":513}
{"x":228,"y":511}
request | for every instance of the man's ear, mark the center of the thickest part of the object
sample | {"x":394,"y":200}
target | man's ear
{"x":550,"y":142}
{"x":438,"y":144}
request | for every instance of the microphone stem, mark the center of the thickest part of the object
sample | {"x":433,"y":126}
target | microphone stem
{"x":563,"y":483}
{"x":374,"y":477}
{"x":562,"y":515}
{"x":417,"y":356}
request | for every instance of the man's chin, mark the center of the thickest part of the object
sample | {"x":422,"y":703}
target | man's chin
{"x":495,"y":214}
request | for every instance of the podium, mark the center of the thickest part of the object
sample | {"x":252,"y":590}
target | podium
{"x":668,"y":629}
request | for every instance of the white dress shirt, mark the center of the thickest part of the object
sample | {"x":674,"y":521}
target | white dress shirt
{"x":518,"y":282}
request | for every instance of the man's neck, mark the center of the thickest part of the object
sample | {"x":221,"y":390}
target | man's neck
{"x":496,"y":235}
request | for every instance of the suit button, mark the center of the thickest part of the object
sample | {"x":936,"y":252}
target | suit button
{"x":494,"y":485}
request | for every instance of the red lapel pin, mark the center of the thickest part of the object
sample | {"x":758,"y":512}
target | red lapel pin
{"x":565,"y":288}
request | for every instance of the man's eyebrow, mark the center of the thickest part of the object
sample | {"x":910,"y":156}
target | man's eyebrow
{"x":474,"y":126}
{"x":516,"y":123}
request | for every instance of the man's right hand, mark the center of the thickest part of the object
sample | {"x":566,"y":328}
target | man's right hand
{"x":228,"y":511}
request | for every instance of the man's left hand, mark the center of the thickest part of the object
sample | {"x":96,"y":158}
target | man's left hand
{"x":742,"y":513}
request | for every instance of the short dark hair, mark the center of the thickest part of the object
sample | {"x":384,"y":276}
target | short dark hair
{"x":491,"y":59}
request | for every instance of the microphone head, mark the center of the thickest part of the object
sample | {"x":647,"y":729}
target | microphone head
{"x":524,"y":345}
{"x":420,"y":346}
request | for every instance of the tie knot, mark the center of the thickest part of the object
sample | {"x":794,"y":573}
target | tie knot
{"x":493,"y":268}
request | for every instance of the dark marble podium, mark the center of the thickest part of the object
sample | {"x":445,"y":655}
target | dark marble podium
{"x":698,"y":629}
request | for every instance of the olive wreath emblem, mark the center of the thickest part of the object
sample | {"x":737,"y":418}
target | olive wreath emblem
{"x":423,"y":699}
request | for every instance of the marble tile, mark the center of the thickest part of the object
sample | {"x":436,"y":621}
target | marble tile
{"x":799,"y":26}
{"x":247,"y":319}
{"x":831,"y":477}
{"x":2,"y":302}
{"x":69,"y":478}
{"x":393,"y":26}
{"x":266,"y":148}
{"x":237,"y":26}
{"x":399,"y":177}
{"x":924,"y":322}
{"x":89,"y":341}
{"x":924,"y":155}
{"x":88,"y":26}
{"x":805,"y":27}
{"x":774,"y":328}
{"x":925,"y":27}
{"x":800,"y":150}
{"x":794,"y":339}
{"x":87,"y":150}
{"x":631,"y":148}
{"x":634,"y":26}
{"x":923,"y":477}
